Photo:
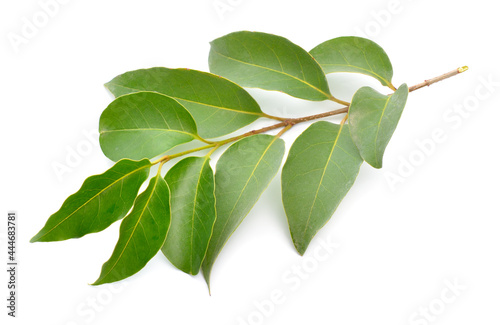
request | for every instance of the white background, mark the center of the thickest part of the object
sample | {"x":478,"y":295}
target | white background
{"x":397,"y":246}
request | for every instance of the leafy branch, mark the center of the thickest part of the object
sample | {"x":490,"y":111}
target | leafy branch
{"x":290,"y":122}
{"x":190,"y":212}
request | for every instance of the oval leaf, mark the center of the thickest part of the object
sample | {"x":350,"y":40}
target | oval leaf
{"x":373,"y":117}
{"x":191,"y":183}
{"x":354,"y":54}
{"x":142,"y":233}
{"x":218,"y":105}
{"x":270,"y":62}
{"x":144,"y":125}
{"x":243,"y":172}
{"x":95,"y":206}
{"x":321,"y":167}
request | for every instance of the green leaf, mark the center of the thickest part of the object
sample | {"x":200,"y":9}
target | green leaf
{"x":144,"y":125}
{"x":243,"y":172}
{"x":142,"y":233}
{"x":373,"y":117}
{"x":354,"y":54}
{"x":191,"y":183}
{"x":270,"y":62}
{"x":102,"y":200}
{"x":321,"y":167}
{"x":218,"y":105}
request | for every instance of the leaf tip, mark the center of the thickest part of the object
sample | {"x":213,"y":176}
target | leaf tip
{"x":207,"y":280}
{"x":375,"y":164}
{"x":100,"y":280}
{"x":206,"y":275}
{"x":37,"y":237}
{"x":301,"y":249}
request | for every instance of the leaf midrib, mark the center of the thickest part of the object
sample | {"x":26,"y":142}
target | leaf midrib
{"x":243,"y":190}
{"x":192,"y":101}
{"x":378,"y":128}
{"x":193,"y":215}
{"x":93,"y":197}
{"x":147,"y":129}
{"x":146,"y":207}
{"x":276,"y":71}
{"x":321,"y":180}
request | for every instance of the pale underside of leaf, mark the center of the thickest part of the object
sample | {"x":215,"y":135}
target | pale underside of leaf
{"x":243,"y":173}
{"x":373,"y":118}
{"x":321,"y":167}
{"x":354,"y":54}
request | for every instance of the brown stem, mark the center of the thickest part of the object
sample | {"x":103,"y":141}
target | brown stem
{"x":285,"y":123}
{"x":440,"y":78}
{"x":288,"y":123}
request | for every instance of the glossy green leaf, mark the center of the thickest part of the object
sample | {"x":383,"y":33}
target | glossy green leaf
{"x":191,"y":183}
{"x":144,"y":125}
{"x":373,"y":117}
{"x":243,"y":172}
{"x":102,"y":200}
{"x":142,"y":233}
{"x":354,"y":54}
{"x":218,"y":105}
{"x":321,"y":167}
{"x":270,"y":62}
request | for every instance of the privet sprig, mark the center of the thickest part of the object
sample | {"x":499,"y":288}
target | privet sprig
{"x":189,"y":213}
